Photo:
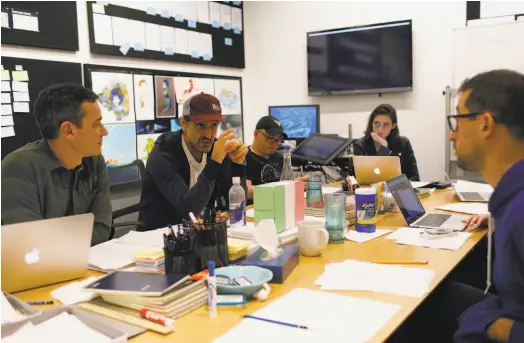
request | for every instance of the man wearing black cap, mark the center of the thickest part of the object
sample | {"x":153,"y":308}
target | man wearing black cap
{"x":264,"y":162}
{"x":190,"y":169}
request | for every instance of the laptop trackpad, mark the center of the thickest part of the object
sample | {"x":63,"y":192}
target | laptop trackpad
{"x":455,"y":222}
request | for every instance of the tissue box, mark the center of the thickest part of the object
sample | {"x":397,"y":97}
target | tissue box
{"x":276,"y":201}
{"x":281,"y":267}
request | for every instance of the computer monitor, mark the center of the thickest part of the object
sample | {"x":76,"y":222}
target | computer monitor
{"x":299,"y":122}
{"x":321,"y":149}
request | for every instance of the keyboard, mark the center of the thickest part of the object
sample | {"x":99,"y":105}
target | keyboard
{"x":433,"y":220}
{"x":471,"y":196}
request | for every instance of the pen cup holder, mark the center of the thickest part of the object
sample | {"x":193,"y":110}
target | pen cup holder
{"x":181,"y":262}
{"x":211,"y":245}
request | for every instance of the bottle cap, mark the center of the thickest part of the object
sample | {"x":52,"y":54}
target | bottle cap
{"x":211,"y":268}
{"x":236,"y":180}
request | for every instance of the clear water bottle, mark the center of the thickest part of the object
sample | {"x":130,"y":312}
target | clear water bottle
{"x":237,"y":204}
{"x":287,"y":170}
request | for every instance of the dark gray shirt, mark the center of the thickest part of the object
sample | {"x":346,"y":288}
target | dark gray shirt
{"x":35,"y":185}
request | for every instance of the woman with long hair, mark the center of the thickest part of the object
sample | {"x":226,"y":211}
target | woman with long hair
{"x":382,"y":138}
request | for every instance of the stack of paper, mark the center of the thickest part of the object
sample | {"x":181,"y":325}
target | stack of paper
{"x":412,"y":236}
{"x":111,"y":255}
{"x":153,"y":238}
{"x":53,"y":330}
{"x":365,"y":276}
{"x":466,"y":207}
{"x":150,"y":260}
{"x":9,"y":314}
{"x":74,"y":292}
{"x":328,"y":317}
{"x":361,"y":237}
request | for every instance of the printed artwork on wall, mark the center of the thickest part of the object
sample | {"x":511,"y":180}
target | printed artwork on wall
{"x":153,"y":126}
{"x":144,"y":97}
{"x":186,"y":87}
{"x":144,"y":145}
{"x":228,"y":92}
{"x":165,"y":97}
{"x":232,"y":122}
{"x":175,"y":125}
{"x":119,"y":146}
{"x":115,"y":92}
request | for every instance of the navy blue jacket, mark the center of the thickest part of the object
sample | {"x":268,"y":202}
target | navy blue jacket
{"x":166,"y":198}
{"x":507,"y":207}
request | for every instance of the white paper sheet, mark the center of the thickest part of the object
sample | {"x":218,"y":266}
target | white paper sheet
{"x":153,"y":238}
{"x":361,"y":237}
{"x":8,"y":131}
{"x":20,"y":96}
{"x":7,"y":110}
{"x":191,"y":10}
{"x":181,"y":43}
{"x":121,"y":34}
{"x":214,"y":12}
{"x":25,"y":22}
{"x":250,"y":213}
{"x":236,"y":18}
{"x":366,"y":276}
{"x":5,"y":19}
{"x":193,"y":42}
{"x":153,"y":37}
{"x":468,"y":186}
{"x":138,"y":32}
{"x":20,"y":86}
{"x":6,"y":98}
{"x":6,"y":86}
{"x":329,"y":318}
{"x":225,"y":15}
{"x":167,"y":38}
{"x":9,"y":314}
{"x":203,"y":12}
{"x":206,"y":44}
{"x":21,"y":107}
{"x":466,"y":207}
{"x":411,"y":236}
{"x":7,"y":121}
{"x":98,"y":8}
{"x":112,"y":255}
{"x":419,"y":184}
{"x":103,"y":29}
{"x":74,"y":292}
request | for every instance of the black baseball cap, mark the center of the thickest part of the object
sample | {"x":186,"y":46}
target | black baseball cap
{"x":203,"y":107}
{"x":271,"y":125}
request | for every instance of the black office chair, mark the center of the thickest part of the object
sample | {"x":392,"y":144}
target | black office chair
{"x":138,"y":167}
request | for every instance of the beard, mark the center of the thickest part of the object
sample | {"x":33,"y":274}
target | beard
{"x":204,"y":145}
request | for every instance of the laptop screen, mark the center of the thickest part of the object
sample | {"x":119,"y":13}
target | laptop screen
{"x":406,"y":199}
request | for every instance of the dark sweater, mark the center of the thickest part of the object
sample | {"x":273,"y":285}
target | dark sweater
{"x":506,"y":206}
{"x":399,"y":146}
{"x":166,"y":198}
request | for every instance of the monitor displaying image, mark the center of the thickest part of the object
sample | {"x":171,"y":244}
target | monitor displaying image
{"x":299,"y":122}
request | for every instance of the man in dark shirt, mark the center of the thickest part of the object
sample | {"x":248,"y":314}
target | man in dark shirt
{"x":190,"y":169}
{"x":64,"y":173}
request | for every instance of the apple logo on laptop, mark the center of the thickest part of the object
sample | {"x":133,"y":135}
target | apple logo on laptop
{"x":32,"y":257}
{"x":377,"y":171}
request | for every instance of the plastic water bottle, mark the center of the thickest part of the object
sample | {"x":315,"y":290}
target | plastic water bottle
{"x":287,"y":170}
{"x":237,"y":204}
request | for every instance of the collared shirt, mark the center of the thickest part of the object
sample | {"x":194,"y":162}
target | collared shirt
{"x":35,"y":185}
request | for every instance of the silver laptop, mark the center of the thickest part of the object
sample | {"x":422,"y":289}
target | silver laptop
{"x":413,"y":211}
{"x":470,"y":196}
{"x":44,"y":252}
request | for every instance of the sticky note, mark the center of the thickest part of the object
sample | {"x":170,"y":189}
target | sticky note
{"x":179,"y":17}
{"x":20,"y":75}
{"x":6,"y":86}
{"x":191,"y":24}
{"x":6,"y":76}
{"x":8,"y":131}
{"x":21,"y":107}
{"x":138,"y":46}
{"x":228,"y":42}
{"x":7,"y":110}
{"x":20,"y":96}
{"x":97,"y":8}
{"x":19,"y":67}
{"x":124,"y":49}
{"x":168,"y":50}
{"x":164,"y":14}
{"x":207,"y":57}
{"x":237,"y":30}
{"x":227,"y":26}
{"x":6,"y":98}
{"x":215,"y":24}
{"x":151,"y":10}
{"x":195,"y":54}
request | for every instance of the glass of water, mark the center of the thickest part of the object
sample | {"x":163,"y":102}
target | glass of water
{"x":335,"y":216}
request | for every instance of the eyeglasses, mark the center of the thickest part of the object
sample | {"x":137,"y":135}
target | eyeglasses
{"x":453,"y":122}
{"x":270,"y":139}
{"x":378,"y":124}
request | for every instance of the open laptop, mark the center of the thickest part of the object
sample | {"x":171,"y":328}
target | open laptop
{"x":413,"y":211}
{"x":470,"y":195}
{"x":373,"y":169}
{"x":43,"y":252}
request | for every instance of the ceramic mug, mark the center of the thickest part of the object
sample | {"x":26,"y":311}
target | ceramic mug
{"x":312,"y":237}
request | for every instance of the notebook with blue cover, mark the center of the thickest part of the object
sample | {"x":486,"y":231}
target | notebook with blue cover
{"x":142,"y":284}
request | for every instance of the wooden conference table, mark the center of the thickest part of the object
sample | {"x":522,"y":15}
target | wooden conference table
{"x":198,"y":327}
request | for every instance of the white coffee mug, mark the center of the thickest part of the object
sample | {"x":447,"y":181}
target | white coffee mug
{"x":312,"y":237}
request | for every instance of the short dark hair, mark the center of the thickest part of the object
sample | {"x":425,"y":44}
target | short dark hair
{"x":500,"y":92}
{"x":388,"y":110}
{"x":59,"y":103}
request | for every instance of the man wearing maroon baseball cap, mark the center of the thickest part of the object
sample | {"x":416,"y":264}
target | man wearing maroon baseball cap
{"x":191,"y":169}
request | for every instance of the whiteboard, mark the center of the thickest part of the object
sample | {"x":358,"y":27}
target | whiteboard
{"x":482,"y":48}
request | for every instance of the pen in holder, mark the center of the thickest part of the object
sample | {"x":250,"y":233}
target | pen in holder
{"x":211,"y":244}
{"x":179,"y":252}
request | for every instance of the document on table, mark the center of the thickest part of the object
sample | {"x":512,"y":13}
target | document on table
{"x":365,"y":276}
{"x":52,"y":330}
{"x":411,"y":236}
{"x":466,"y":207}
{"x":112,"y":255}
{"x":329,"y":318}
{"x":153,"y":238}
{"x":9,"y":314}
{"x":361,"y":237}
{"x":419,"y":184}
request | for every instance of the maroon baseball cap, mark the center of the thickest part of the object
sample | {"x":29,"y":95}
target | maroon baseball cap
{"x":203,"y":107}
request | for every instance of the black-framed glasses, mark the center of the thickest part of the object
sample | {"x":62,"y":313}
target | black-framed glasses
{"x":453,"y":119}
{"x":270,"y":139}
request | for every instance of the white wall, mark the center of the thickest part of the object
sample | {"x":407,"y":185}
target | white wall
{"x":84,"y":56}
{"x":276,"y":72}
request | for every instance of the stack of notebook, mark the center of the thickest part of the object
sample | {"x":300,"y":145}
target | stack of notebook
{"x":149,"y":261}
{"x":170,"y":295}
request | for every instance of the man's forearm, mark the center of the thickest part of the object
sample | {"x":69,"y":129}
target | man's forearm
{"x":500,"y":330}
{"x":100,"y":233}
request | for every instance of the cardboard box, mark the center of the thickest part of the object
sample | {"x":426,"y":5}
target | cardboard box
{"x":276,"y":201}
